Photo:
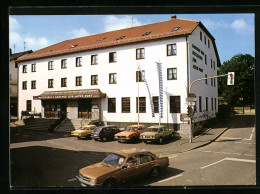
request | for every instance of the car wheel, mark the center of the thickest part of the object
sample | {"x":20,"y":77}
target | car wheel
{"x":172,"y":136}
{"x":119,"y":141}
{"x":78,"y":137}
{"x":160,"y":140}
{"x":95,"y":139}
{"x":109,"y":183}
{"x":145,"y":141}
{"x":155,"y":172}
{"x":104,"y":139}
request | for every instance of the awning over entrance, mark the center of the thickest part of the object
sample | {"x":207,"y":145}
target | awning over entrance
{"x":70,"y":94}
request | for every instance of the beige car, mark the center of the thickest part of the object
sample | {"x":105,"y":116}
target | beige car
{"x":84,"y":132}
{"x":122,"y":166}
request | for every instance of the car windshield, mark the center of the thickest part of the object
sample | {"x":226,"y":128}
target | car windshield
{"x":152,"y":129}
{"x":131,"y":129}
{"x":97,"y":130}
{"x":114,"y":160}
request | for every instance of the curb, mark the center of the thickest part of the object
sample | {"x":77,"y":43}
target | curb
{"x":207,"y":143}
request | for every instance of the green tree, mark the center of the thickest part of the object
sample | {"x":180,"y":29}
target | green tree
{"x":244,"y":67}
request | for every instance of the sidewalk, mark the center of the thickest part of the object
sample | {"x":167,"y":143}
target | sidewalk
{"x":199,"y":141}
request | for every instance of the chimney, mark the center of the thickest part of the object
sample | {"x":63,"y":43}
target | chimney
{"x":173,"y":17}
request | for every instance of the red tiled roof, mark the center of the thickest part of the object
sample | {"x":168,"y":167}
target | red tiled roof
{"x":108,"y":39}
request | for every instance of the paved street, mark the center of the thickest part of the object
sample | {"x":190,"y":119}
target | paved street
{"x":225,"y":157}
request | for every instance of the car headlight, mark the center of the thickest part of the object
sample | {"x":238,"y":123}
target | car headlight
{"x":93,"y":181}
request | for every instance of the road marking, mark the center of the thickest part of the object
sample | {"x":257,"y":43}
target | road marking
{"x":206,"y":151}
{"x":235,"y":138}
{"x":73,"y":179}
{"x":231,"y":159}
{"x":237,"y":154}
{"x":171,"y":178}
{"x":216,"y":152}
{"x":225,"y":153}
{"x":173,"y":156}
{"x":248,"y":154}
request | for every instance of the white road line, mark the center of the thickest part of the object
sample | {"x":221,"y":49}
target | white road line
{"x":216,"y":152}
{"x":230,"y":159}
{"x":248,"y":154}
{"x":206,"y":151}
{"x":237,"y":154}
{"x":225,"y":153}
{"x":212,"y":164}
{"x":173,"y":156}
{"x":235,"y":138}
{"x":73,"y":179}
{"x":173,"y":177}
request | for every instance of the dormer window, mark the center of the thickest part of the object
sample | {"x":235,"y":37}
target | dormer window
{"x":73,"y":45}
{"x":101,"y":39}
{"x":120,"y":38}
{"x":146,"y":33}
{"x":175,"y":29}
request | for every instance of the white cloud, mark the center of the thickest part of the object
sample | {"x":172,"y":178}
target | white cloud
{"x":116,"y":23}
{"x":33,"y":43}
{"x":13,"y":24}
{"x":79,"y":32}
{"x":241,"y":27}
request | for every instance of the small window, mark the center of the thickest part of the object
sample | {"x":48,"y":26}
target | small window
{"x":24,"y":68}
{"x":126,"y":105}
{"x":206,"y":80}
{"x":146,"y":33}
{"x":175,"y":29}
{"x":205,"y":40}
{"x":94,"y":80}
{"x":171,"y":49}
{"x":208,"y":43}
{"x":140,"y":76}
{"x":140,"y":53}
{"x":34,"y":67}
{"x":211,"y":81}
{"x":112,"y":105}
{"x":143,"y":158}
{"x":63,"y":82}
{"x":50,"y":83}
{"x":79,"y":81}
{"x":142,"y":104}
{"x":101,"y":39}
{"x":214,"y":82}
{"x":63,"y":63}
{"x":200,"y":104}
{"x":33,"y":84}
{"x":215,"y":104}
{"x":206,"y":59}
{"x":94,"y":59}
{"x":112,"y":57}
{"x":172,"y":74}
{"x":214,"y":65}
{"x":201,"y":36}
{"x":121,"y":37}
{"x":50,"y":65}
{"x":212,"y":105}
{"x":155,"y":104}
{"x":175,"y":104}
{"x":78,"y":61}
{"x":112,"y":78}
{"x":207,"y":108}
{"x":211,"y":63}
{"x":24,"y":85}
{"x":28,"y":105}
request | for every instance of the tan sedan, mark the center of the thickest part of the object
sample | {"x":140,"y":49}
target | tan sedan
{"x":122,"y":166}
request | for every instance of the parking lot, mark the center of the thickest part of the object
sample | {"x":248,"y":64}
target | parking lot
{"x":55,"y":158}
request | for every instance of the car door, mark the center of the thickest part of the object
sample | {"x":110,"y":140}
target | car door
{"x":130,"y":170}
{"x":145,"y":165}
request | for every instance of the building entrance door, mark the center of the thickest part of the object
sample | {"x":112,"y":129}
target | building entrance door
{"x":84,"y":108}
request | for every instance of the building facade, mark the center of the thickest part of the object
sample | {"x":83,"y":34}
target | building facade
{"x":13,"y":80}
{"x":98,"y":77}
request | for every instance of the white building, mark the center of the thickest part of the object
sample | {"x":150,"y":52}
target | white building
{"x":98,"y":74}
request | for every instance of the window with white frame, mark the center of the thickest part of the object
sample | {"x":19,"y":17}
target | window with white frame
{"x":112,"y":57}
{"x":78,"y":61}
{"x":24,"y":68}
{"x":140,"y":53}
{"x":50,"y":65}
{"x":63,"y":63}
{"x":94,"y":59}
{"x":34,"y":67}
{"x":172,"y":74}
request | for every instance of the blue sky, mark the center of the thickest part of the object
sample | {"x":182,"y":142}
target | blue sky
{"x":234,"y":33}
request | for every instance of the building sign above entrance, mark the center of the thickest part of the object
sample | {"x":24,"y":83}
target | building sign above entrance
{"x":70,"y":94}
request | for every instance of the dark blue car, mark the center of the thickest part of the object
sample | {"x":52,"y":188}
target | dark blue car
{"x":104,"y":133}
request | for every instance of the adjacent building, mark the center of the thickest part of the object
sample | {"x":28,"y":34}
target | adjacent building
{"x":97,"y":76}
{"x":13,"y":80}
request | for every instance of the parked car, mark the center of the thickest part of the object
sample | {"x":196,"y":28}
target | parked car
{"x":122,"y":166}
{"x":157,"y":134}
{"x":104,"y":133}
{"x":83,"y":132}
{"x":131,"y":133}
